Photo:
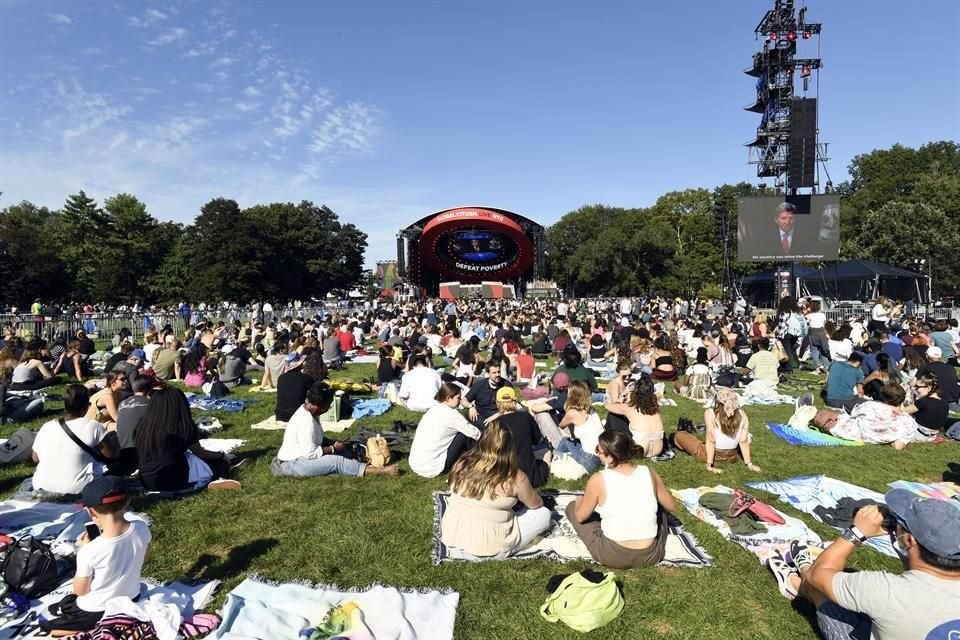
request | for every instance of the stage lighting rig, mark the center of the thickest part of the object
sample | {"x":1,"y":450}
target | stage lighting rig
{"x":785,"y":147}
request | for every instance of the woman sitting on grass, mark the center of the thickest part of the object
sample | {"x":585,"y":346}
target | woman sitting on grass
{"x":583,"y":425}
{"x":643,"y":416}
{"x":31,"y":374}
{"x":664,"y":367}
{"x":728,"y":430}
{"x":631,"y":502}
{"x":486,"y":483}
{"x":442,"y":436}
{"x":105,"y":404}
{"x":169,"y":451}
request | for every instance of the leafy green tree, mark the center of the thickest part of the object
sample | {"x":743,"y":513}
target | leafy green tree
{"x":30,"y":266}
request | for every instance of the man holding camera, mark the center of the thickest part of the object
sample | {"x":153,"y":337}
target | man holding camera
{"x":923,"y":602}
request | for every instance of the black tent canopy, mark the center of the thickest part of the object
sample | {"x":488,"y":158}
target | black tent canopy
{"x":849,"y":280}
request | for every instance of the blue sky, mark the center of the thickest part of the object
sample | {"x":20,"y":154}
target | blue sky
{"x":387,"y":111}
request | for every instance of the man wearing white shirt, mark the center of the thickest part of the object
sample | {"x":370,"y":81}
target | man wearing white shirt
{"x":305,"y":451}
{"x":419,"y":386}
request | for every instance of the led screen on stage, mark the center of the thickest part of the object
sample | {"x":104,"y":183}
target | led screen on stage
{"x":788,"y":228}
{"x":480,"y":250}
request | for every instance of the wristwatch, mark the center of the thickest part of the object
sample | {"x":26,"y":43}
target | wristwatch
{"x":853,"y":535}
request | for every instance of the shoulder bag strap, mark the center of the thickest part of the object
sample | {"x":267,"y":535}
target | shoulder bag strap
{"x":96,"y":455}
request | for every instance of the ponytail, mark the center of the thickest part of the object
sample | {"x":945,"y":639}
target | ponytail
{"x":620,"y":447}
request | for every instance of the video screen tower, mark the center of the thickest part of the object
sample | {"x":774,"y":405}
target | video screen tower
{"x":786,"y":147}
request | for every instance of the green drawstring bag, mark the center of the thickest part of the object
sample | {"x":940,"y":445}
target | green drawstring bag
{"x":583,"y":605}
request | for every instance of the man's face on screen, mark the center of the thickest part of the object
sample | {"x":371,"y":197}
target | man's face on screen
{"x":785,"y":221}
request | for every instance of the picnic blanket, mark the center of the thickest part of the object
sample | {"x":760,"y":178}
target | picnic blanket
{"x":368,"y":407}
{"x":272,"y":424}
{"x":764,"y":392}
{"x":763,"y":545}
{"x":806,"y":493}
{"x":167,"y":605}
{"x":367,"y":359}
{"x":222,"y":445}
{"x":60,"y":524}
{"x":561,"y":543}
{"x":218,"y":404}
{"x":809,"y":437}
{"x":257,"y":610}
{"x":938,"y":490}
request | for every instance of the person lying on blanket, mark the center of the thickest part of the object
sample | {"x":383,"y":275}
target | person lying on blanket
{"x":631,"y":502}
{"x":305,"y":451}
{"x":108,"y":565}
{"x":486,"y":483}
{"x":874,"y":422}
{"x":728,"y":430}
{"x":922,"y":603}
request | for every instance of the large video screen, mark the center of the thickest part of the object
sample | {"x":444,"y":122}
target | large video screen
{"x":477,"y":249}
{"x":788,"y":228}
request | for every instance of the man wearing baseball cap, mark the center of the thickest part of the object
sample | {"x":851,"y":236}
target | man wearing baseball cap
{"x":108,"y":565}
{"x":923,"y":602}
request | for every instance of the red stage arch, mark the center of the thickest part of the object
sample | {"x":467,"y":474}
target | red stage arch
{"x":507,"y":252}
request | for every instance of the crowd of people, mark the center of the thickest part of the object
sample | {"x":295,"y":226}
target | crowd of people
{"x":500,"y":422}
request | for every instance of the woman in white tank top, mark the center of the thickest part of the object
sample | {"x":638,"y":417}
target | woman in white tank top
{"x":631,"y":501}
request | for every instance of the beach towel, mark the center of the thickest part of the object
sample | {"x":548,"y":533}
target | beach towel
{"x":257,"y":610}
{"x":806,"y":493}
{"x":366,"y":359}
{"x":561,"y":542}
{"x":338,"y":426}
{"x":60,"y":524}
{"x":221,"y":445}
{"x":218,"y":404}
{"x":764,"y":544}
{"x":809,"y":437}
{"x":938,"y":490}
{"x":270,"y":424}
{"x":169,"y":603}
{"x":371,"y":407}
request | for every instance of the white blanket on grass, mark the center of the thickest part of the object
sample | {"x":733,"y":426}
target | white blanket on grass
{"x":222,"y":445}
{"x":256,"y":610}
{"x":164,"y":605}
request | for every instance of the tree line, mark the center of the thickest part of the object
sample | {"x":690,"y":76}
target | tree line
{"x":119,"y":253}
{"x":900,"y":205}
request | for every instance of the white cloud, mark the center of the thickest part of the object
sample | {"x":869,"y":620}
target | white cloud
{"x":246,"y":106}
{"x":150,"y":17}
{"x":223,"y":62}
{"x":169,"y":36}
{"x":81,"y":112}
{"x":251,"y":92}
{"x":354,"y":126}
{"x":221,"y":75}
{"x":59,"y":18}
{"x":206,"y":87}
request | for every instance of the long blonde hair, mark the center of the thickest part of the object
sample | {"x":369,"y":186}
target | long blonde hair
{"x":490,"y":465}
{"x":578,"y":397}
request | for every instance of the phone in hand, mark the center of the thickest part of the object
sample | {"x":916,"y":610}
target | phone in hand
{"x":92,"y":530}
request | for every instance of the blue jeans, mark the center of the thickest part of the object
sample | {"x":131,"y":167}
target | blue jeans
{"x":24,"y":411}
{"x":817,"y":358}
{"x":322,"y":466}
{"x":837,"y":623}
{"x":588,"y":461}
{"x":954,"y":431}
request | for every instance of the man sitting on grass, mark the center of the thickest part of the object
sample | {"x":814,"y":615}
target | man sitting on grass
{"x":922,"y":602}
{"x":108,"y":566}
{"x":305,"y":451}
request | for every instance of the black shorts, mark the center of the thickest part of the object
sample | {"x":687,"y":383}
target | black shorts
{"x":67,"y":616}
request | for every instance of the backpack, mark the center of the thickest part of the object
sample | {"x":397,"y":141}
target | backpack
{"x":583,"y":605}
{"x":30,"y":568}
{"x":378,"y":451}
{"x":797,"y":325}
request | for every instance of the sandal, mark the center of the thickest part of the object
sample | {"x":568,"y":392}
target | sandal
{"x":199,"y":625}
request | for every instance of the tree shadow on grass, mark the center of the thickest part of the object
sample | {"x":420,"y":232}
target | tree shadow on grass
{"x":953,"y":475}
{"x":210,"y":567}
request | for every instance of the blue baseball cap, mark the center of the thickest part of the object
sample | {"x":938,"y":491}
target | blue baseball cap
{"x":934,"y":523}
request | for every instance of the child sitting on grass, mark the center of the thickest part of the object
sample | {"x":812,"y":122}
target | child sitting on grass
{"x":107,"y":566}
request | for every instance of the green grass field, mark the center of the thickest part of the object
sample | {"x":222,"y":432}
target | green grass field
{"x":353,"y":532}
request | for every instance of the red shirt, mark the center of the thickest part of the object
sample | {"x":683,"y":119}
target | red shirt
{"x":525,"y":365}
{"x":347,"y":341}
